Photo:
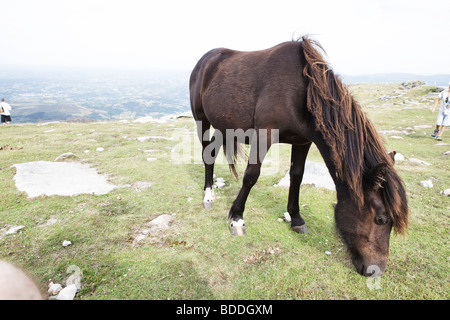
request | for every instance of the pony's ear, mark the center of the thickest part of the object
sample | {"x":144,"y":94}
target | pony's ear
{"x":377,"y":176}
{"x":392,"y":156}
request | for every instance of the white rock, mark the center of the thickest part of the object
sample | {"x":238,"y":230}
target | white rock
{"x":66,"y":243}
{"x":54,"y":288}
{"x":59,"y":178}
{"x":151,"y":159}
{"x":399,"y":157}
{"x":423,"y":126}
{"x":327,"y":252}
{"x":100,"y":149}
{"x":446,"y":192}
{"x":426,"y":183}
{"x":14,"y":229}
{"x":145,"y":138}
{"x":220,"y":183}
{"x":316,"y":173}
{"x":162,"y":222}
{"x":68,"y":293}
{"x":139,"y":238}
{"x":65,"y":156}
{"x":419,"y":161}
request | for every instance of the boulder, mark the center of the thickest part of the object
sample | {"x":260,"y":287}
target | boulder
{"x":426,"y":183}
{"x":412,"y":84}
{"x":66,"y":156}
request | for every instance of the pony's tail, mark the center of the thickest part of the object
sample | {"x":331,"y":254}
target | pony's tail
{"x":233,"y":155}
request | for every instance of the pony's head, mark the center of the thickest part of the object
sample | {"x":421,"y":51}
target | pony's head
{"x":366,"y":228}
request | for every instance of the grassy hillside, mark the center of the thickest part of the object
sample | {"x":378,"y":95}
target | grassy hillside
{"x":196,"y":257}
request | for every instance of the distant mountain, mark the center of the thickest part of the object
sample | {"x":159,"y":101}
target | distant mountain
{"x":437,"y":79}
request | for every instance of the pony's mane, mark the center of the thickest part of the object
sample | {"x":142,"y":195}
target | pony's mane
{"x":356,"y":147}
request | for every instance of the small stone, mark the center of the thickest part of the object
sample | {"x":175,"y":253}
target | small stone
{"x":419,"y":161}
{"x":54,"y":288}
{"x":66,"y":156}
{"x":220,"y":183}
{"x":66,"y":243}
{"x":160,"y":223}
{"x":68,"y":293}
{"x":399,"y":157}
{"x":426,"y":183}
{"x":328,"y":253}
{"x":446,"y":192}
{"x":14,"y":229}
{"x":100,"y":149}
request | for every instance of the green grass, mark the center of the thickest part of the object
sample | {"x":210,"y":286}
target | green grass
{"x":197,"y":258}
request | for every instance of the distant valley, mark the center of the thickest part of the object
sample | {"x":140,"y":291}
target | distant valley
{"x":81,"y":95}
{"x":39,"y":96}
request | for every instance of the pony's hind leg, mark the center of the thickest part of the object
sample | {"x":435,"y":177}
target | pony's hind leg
{"x":298,"y":158}
{"x":209,"y":153}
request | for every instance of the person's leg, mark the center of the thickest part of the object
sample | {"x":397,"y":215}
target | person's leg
{"x":441,"y":133}
{"x":445,"y":123}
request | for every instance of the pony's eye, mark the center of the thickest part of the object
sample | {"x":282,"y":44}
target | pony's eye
{"x":381,"y":220}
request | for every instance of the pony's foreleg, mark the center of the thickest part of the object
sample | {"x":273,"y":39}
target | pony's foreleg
{"x":258,"y":151}
{"x":298,"y":158}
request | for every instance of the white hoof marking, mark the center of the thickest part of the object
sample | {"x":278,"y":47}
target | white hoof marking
{"x":209,"y":197}
{"x":237,"y":227}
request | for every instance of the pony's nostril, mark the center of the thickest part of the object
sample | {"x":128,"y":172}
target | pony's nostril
{"x":362,"y":270}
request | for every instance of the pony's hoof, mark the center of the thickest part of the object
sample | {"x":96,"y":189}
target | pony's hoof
{"x":209,"y":198}
{"x":300,"y":229}
{"x":208,"y":204}
{"x":237,"y":228}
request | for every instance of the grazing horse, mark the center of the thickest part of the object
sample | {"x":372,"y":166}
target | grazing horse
{"x":290,"y":89}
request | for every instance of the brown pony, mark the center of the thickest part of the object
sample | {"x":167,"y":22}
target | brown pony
{"x":290,"y":90}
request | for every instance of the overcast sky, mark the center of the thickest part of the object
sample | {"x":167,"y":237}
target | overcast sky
{"x":359,"y":36}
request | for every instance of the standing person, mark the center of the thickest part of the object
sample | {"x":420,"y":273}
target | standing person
{"x":5,"y":109}
{"x":443,"y":118}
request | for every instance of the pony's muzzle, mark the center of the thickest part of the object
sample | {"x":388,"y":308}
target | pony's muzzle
{"x":369,"y":269}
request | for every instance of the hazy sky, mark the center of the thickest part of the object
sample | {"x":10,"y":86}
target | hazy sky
{"x":359,"y":36}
